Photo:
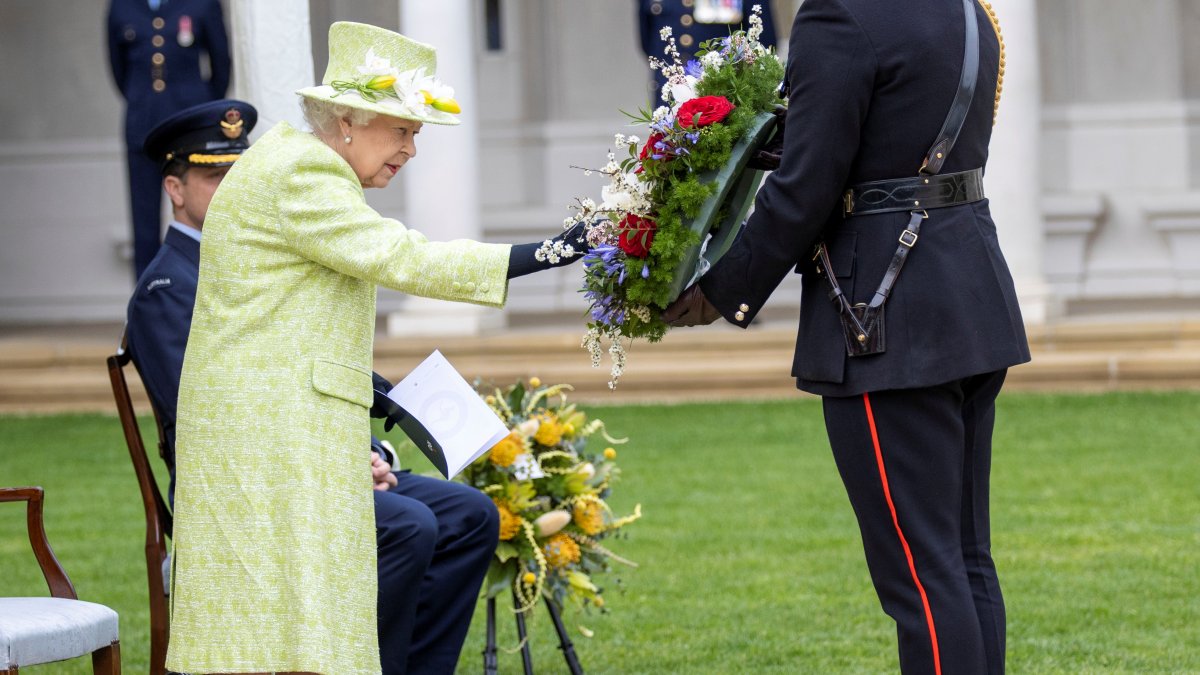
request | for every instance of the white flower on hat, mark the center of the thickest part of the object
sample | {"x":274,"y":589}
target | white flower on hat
{"x":424,"y":93}
{"x":409,"y":85}
{"x":374,"y":65}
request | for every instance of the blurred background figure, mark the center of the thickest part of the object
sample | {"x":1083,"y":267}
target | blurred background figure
{"x":693,"y":22}
{"x":166,"y":55}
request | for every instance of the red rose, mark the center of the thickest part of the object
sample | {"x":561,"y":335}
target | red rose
{"x":649,"y":149}
{"x":704,"y":111}
{"x":636,"y":235}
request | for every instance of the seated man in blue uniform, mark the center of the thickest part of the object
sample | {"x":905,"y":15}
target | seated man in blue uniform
{"x":435,"y":538}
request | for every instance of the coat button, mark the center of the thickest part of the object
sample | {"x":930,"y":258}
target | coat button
{"x":470,"y":286}
{"x":686,"y":19}
{"x":744,"y":307}
{"x":158,"y":23}
{"x":157,"y":40}
{"x":484,"y":288}
{"x":159,"y":85}
{"x":688,"y":3}
{"x":157,"y":59}
{"x":456,"y":285}
{"x":656,"y":9}
{"x":686,"y":40}
{"x":740,"y":316}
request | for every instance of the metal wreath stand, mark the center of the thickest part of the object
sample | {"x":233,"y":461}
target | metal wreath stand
{"x":490,"y":661}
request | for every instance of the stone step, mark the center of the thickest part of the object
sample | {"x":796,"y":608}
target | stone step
{"x":54,"y":352}
{"x":706,"y":364}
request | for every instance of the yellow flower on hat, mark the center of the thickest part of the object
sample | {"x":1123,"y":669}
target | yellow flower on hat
{"x":381,"y":82}
{"x":445,"y":104}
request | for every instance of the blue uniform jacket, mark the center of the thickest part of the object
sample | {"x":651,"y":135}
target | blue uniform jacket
{"x":155,"y":58}
{"x":870,"y":84}
{"x":157,"y":324}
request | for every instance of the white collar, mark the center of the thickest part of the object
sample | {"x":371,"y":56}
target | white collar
{"x":186,"y":229}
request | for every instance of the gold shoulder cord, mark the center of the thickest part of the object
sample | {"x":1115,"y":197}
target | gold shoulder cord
{"x":987,"y":6}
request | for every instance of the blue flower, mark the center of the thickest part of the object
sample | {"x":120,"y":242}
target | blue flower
{"x":693,"y":68}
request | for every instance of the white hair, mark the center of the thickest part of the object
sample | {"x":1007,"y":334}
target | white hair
{"x":323,"y":116}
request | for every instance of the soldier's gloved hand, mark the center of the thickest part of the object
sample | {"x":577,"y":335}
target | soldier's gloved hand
{"x":383,"y":407}
{"x":690,"y":309}
{"x":768,"y":156}
{"x":523,"y":258}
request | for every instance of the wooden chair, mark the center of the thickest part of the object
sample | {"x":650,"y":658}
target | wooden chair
{"x":158,"y":514}
{"x":60,"y":627}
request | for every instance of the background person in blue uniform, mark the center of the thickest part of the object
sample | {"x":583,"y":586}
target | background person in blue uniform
{"x":435,"y":538}
{"x":155,"y":49}
{"x":693,"y":22}
{"x":870,"y":84}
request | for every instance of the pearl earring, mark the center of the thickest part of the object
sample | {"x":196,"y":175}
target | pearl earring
{"x":348,"y":139}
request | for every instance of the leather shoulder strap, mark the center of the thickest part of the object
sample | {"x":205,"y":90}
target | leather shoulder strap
{"x":962,"y":100}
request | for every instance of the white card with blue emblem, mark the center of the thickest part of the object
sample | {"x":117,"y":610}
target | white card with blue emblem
{"x":446,"y":418}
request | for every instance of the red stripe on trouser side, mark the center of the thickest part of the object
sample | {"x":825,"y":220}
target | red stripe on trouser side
{"x":912,"y":568}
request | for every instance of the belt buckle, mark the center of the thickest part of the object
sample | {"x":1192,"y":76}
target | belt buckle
{"x":848,"y":202}
{"x":908,"y":238}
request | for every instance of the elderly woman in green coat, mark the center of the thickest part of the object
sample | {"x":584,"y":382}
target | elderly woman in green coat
{"x":274,"y":571}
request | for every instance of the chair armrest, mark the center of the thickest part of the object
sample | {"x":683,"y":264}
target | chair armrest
{"x":56,"y":576}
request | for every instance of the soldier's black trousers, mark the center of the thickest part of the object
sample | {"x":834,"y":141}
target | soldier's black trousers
{"x":915,"y":463}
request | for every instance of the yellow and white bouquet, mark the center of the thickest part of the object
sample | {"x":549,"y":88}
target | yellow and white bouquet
{"x":551,"y":491}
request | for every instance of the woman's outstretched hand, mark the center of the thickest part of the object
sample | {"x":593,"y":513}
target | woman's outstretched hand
{"x":564,"y":249}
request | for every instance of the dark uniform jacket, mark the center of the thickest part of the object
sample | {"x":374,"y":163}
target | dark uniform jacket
{"x":157,"y":324}
{"x":870,"y":83}
{"x":155,"y":58}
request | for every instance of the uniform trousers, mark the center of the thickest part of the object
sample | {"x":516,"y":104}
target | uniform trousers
{"x":435,"y":541}
{"x":145,"y":208}
{"x":916,"y":465}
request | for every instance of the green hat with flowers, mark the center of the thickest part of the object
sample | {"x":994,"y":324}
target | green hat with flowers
{"x":371,"y":68}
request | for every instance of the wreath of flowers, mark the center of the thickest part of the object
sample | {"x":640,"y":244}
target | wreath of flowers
{"x":641,"y":233}
{"x":551,"y":492}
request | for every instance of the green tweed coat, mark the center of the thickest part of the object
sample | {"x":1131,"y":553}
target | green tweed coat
{"x":274,"y":524}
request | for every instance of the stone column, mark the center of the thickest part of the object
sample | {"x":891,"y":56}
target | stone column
{"x":272,"y":57}
{"x":441,"y":186}
{"x":1013,"y":182}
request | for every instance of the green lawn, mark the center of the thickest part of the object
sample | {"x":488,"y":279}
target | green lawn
{"x":749,"y":556}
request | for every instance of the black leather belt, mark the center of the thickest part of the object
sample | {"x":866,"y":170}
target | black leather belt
{"x":917,"y":193}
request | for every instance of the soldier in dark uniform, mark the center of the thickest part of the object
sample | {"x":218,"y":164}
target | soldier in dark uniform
{"x":909,"y":410}
{"x":155,"y":48}
{"x":693,"y":22}
{"x":436,"y":538}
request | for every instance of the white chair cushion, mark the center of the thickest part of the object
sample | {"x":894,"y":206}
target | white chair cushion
{"x":42,"y":630}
